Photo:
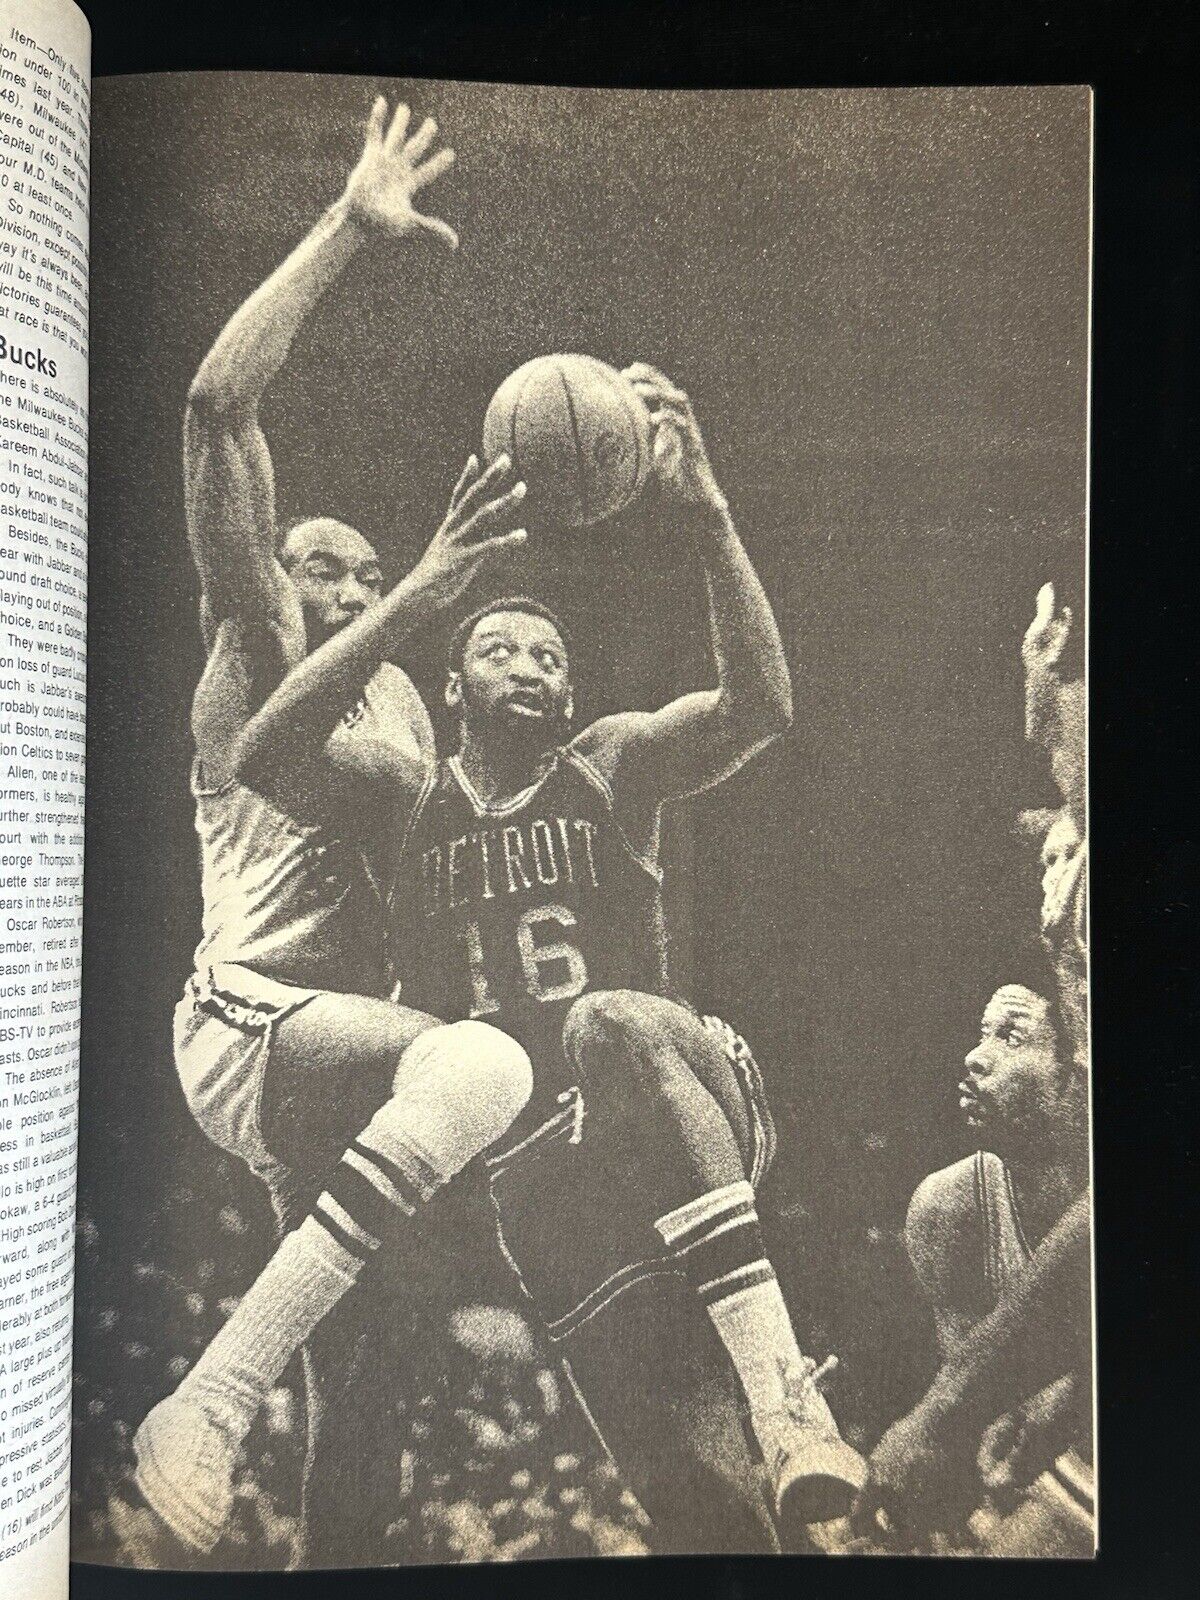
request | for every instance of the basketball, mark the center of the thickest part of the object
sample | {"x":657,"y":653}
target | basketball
{"x":578,"y":434}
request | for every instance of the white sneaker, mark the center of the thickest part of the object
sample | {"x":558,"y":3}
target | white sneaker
{"x":816,"y":1474}
{"x":185,"y":1470}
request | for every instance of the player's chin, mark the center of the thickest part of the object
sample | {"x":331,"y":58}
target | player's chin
{"x":535,"y":723}
{"x":974,"y":1114}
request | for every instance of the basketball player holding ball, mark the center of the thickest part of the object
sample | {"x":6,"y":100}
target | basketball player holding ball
{"x":528,"y":895}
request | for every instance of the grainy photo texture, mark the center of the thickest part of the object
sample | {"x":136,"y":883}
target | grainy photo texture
{"x":586,"y":1031}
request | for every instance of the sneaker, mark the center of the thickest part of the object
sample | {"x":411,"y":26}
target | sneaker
{"x":816,"y":1474}
{"x":142,"y":1537}
{"x":184,"y":1473}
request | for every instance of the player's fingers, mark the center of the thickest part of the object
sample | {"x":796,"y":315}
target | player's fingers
{"x":503,"y":541}
{"x":883,"y":1527}
{"x":865,"y":1511}
{"x":489,"y":483}
{"x":658,"y":391}
{"x":493,"y":515}
{"x":399,"y":126}
{"x":663,"y":392}
{"x":1045,"y":604}
{"x":433,"y":168}
{"x":440,"y":230}
{"x":667,"y":444}
{"x":375,"y":120}
{"x":671,"y":415}
{"x":421,"y":140}
{"x":466,"y":478}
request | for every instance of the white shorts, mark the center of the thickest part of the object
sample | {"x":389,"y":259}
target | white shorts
{"x":223,"y":1031}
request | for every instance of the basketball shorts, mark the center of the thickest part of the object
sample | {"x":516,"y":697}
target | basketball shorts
{"x":573,"y":1234}
{"x":224,"y":1026}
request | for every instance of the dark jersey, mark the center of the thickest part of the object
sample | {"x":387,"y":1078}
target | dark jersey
{"x":508,"y":913}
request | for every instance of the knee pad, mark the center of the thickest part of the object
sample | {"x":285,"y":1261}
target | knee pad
{"x":466,"y":1082}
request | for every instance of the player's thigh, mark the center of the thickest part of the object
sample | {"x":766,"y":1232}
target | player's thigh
{"x":331,"y":1066}
{"x":613,"y":1033}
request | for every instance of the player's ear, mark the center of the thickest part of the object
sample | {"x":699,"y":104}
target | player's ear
{"x":454,"y":691}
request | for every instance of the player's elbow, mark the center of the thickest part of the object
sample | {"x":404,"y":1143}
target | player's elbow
{"x":765,"y":715}
{"x":213,"y":400}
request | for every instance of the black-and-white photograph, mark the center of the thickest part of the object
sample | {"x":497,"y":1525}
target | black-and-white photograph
{"x":587,"y":1024}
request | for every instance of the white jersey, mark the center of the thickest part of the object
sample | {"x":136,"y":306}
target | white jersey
{"x":293,"y":902}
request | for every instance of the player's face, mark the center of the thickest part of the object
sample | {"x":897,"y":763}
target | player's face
{"x":336,"y":574}
{"x":1013,"y":1078}
{"x":514,"y":677}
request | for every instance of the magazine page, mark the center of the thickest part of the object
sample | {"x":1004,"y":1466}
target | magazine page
{"x":45,"y":54}
{"x":585,"y":989}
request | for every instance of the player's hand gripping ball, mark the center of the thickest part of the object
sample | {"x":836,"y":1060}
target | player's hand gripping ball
{"x":579,"y":436}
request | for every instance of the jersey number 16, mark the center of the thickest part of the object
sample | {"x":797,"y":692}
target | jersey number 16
{"x":537,"y":960}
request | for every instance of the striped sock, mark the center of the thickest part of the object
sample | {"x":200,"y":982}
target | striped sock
{"x":376,"y":1187}
{"x":717,"y":1243}
{"x":458,"y":1087}
{"x":378,"y":1181}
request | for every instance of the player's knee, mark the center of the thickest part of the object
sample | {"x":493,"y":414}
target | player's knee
{"x":485,"y":1071}
{"x":608,"y":1025}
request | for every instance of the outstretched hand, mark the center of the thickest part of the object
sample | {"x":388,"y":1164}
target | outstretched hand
{"x":478,"y":525}
{"x":391,"y":170}
{"x":680,"y":458}
{"x":1046,"y":636}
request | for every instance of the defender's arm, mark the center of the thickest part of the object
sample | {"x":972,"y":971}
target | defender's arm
{"x":229,"y":483}
{"x":1055,"y":709}
{"x":702,"y":737}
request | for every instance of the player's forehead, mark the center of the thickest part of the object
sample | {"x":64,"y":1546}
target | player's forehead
{"x":331,"y":541}
{"x":523,"y":628}
{"x":1013,"y":1002}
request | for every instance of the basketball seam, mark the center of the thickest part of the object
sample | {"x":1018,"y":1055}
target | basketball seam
{"x":512,"y":421}
{"x":616,"y":384}
{"x":582,"y":465}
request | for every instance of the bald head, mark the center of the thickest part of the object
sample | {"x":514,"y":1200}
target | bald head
{"x":325,"y":536}
{"x":335,"y":571}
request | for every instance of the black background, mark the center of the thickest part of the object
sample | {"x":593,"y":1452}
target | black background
{"x":1144,"y":344}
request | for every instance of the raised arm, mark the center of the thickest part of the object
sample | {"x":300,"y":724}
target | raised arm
{"x":228,"y":478}
{"x":704,"y":736}
{"x":250,"y":613}
{"x":1054,"y":707}
{"x":291,"y":728}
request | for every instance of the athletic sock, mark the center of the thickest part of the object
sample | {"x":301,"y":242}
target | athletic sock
{"x":376,"y":1187}
{"x":717,"y":1242}
{"x":458,"y":1088}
